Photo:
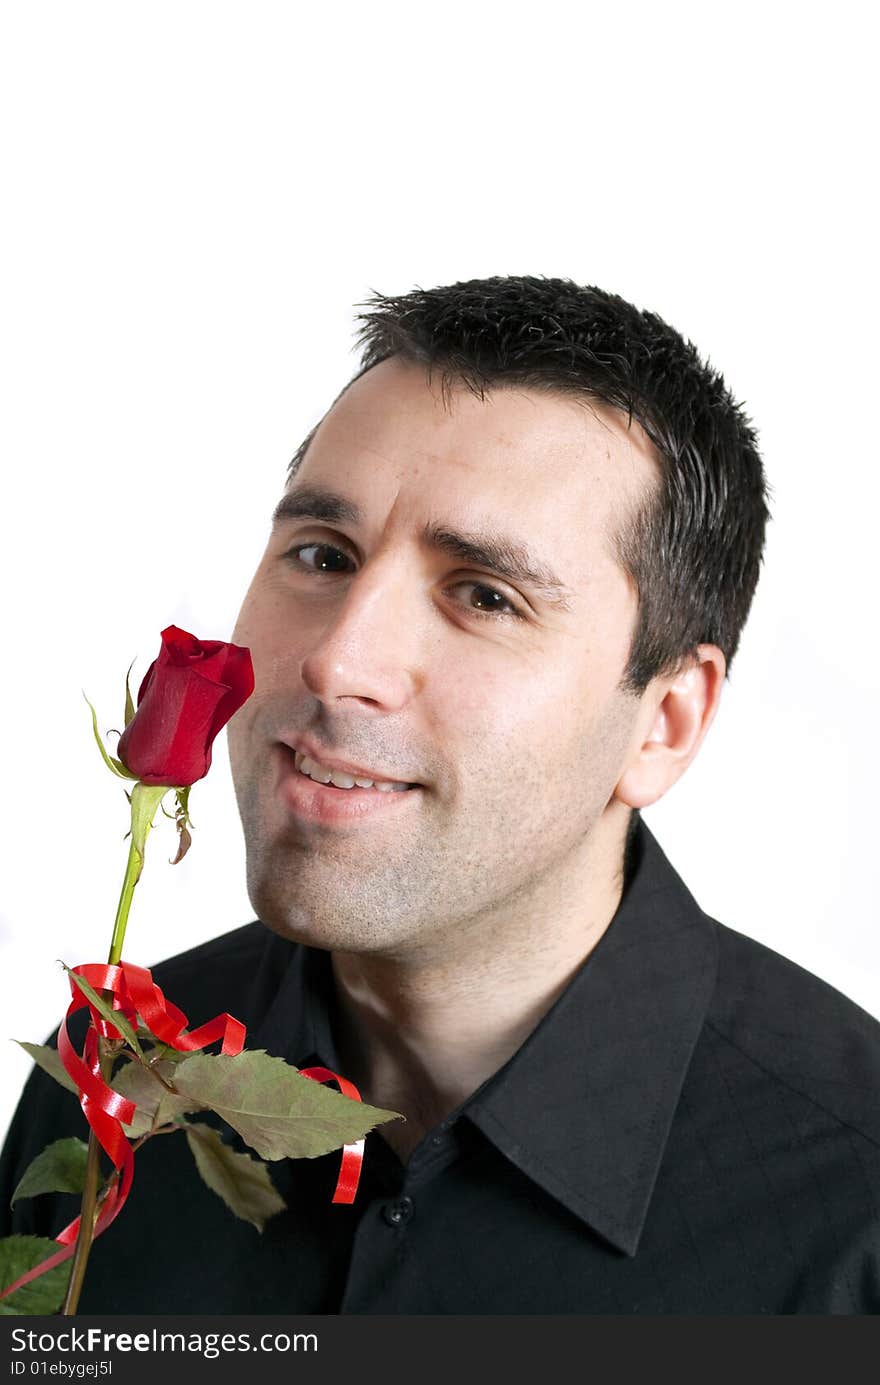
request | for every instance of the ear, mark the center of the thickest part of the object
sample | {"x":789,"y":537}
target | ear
{"x":677,"y":713}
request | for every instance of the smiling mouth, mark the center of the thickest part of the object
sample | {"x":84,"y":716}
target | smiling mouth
{"x":359,"y":789}
{"x":341,"y":783}
{"x":317,"y":805}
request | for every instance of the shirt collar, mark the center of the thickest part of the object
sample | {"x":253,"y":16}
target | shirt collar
{"x":585,"y":1105}
{"x":297,"y":1025}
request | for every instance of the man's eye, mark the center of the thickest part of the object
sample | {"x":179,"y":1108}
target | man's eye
{"x":325,"y":559}
{"x":325,"y":562}
{"x":494,"y":602}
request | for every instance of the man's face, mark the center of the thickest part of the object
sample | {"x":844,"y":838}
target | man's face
{"x":379,"y":643}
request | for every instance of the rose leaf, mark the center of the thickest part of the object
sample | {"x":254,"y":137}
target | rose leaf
{"x":277,"y":1111}
{"x":43,"y":1295}
{"x":242,"y":1181}
{"x":60,"y":1168}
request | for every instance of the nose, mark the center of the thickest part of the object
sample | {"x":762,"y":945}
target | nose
{"x":368,"y":647}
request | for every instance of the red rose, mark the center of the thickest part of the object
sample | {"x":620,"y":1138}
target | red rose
{"x":187,"y":696}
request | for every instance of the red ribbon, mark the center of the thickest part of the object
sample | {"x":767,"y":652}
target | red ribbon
{"x":352,"y":1155}
{"x":135,"y":993}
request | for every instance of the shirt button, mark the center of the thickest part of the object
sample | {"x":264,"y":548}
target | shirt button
{"x":440,"y":1137}
{"x":398,"y":1213}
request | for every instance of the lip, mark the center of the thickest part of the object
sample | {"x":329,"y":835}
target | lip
{"x":324,"y":803}
{"x":305,"y":747}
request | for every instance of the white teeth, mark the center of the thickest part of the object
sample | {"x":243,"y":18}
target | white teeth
{"x":340,"y":777}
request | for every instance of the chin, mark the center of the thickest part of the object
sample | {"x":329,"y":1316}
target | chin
{"x":333,"y":930}
{"x":337,"y":937}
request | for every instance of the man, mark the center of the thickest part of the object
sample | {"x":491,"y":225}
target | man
{"x":502,"y":591}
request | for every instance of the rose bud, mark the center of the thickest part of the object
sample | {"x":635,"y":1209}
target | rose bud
{"x":187,"y":696}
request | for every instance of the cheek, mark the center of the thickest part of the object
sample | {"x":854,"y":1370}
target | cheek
{"x":264,"y":627}
{"x":504,"y":704}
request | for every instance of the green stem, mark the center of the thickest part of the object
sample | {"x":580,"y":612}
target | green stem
{"x":86,"y":1228}
{"x":133,"y":868}
{"x":144,"y":802}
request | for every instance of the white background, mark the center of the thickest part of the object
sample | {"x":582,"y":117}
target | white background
{"x":195,"y":198}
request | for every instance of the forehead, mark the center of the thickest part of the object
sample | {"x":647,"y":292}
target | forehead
{"x":558,"y":468}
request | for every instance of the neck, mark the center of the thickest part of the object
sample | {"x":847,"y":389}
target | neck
{"x":420,"y":1031}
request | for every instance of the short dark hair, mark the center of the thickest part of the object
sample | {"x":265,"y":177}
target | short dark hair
{"x":693,"y":545}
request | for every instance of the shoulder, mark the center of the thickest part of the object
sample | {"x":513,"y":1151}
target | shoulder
{"x":775,"y":1148}
{"x":229,"y":952}
{"x":799,"y":1031}
{"x":239,"y":972}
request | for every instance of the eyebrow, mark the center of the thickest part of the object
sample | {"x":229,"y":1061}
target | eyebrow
{"x":507,"y":557}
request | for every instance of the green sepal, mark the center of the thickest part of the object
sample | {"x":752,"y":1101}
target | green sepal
{"x":116,"y":766}
{"x":183,"y":822}
{"x":129,"y":703}
{"x":183,"y":803}
{"x":60,"y":1168}
{"x":145,"y":799}
{"x":105,"y":1010}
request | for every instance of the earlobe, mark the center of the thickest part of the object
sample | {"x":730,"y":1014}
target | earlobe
{"x":678,"y":714}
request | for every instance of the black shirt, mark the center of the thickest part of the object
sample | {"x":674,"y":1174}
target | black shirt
{"x":693,"y":1128}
